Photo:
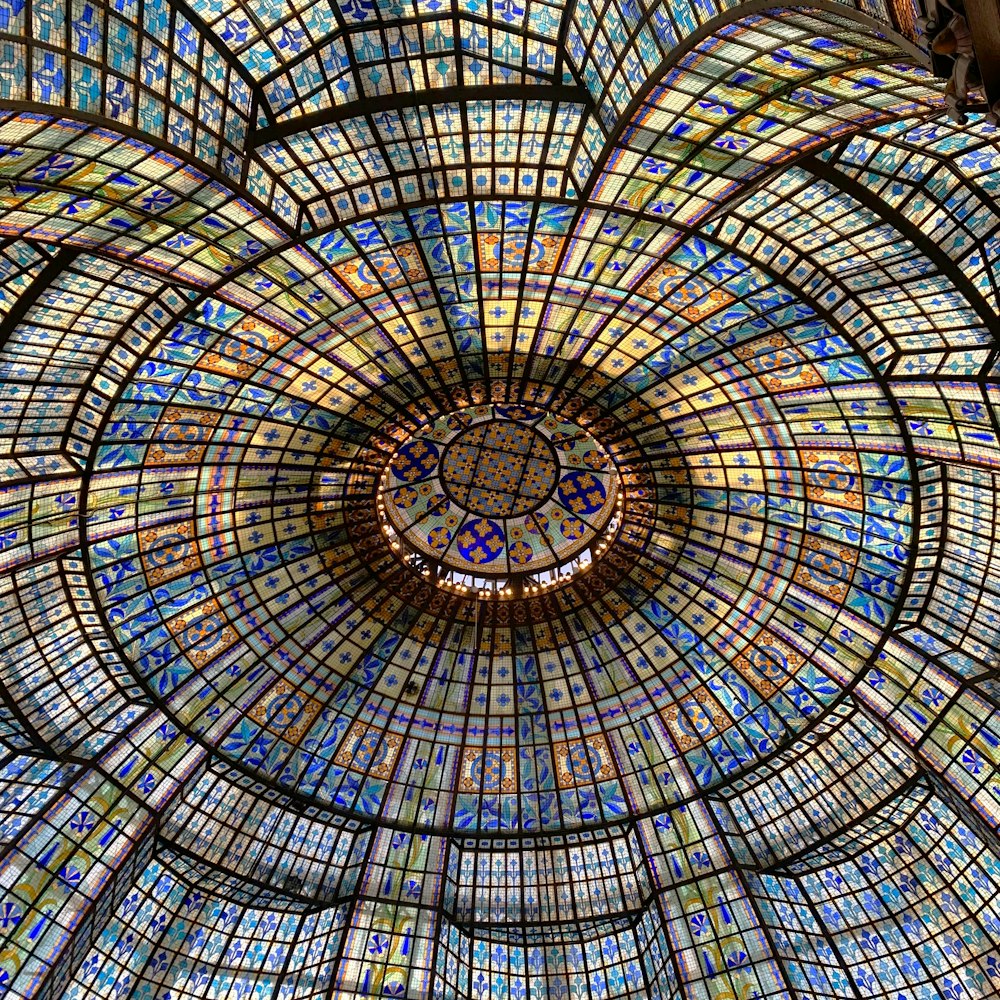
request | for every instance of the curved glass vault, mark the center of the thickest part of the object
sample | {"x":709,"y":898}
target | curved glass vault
{"x":499,"y":501}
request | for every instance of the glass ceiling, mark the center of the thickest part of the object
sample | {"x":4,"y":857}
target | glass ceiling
{"x":499,"y":501}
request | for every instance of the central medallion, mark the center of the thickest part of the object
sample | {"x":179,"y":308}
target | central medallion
{"x":499,"y":468}
{"x":496,"y":490}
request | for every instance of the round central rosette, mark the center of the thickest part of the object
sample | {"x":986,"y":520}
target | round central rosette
{"x":499,"y":491}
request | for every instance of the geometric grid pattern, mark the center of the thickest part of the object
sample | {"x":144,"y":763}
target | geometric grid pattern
{"x":254,"y":251}
{"x":501,"y":469}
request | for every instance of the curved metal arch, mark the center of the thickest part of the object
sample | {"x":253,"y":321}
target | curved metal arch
{"x":345,"y":30}
{"x":63,"y":43}
{"x":56,"y":264}
{"x":121,"y":130}
{"x":185,"y":8}
{"x":824,"y":171}
{"x":554,"y":93}
{"x":734,"y":15}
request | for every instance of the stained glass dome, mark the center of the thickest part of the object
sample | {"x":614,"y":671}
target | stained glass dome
{"x":506,"y":491}
{"x":499,"y":501}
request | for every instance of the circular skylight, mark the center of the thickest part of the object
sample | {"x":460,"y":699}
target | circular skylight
{"x":491,"y":491}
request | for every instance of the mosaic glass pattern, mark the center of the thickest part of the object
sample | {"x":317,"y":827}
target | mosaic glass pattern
{"x":497,"y":500}
{"x":505,"y":490}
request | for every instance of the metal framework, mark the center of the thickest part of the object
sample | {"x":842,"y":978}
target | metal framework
{"x":499,"y":500}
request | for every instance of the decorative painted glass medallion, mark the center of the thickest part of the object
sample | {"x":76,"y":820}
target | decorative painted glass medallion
{"x":500,"y":491}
